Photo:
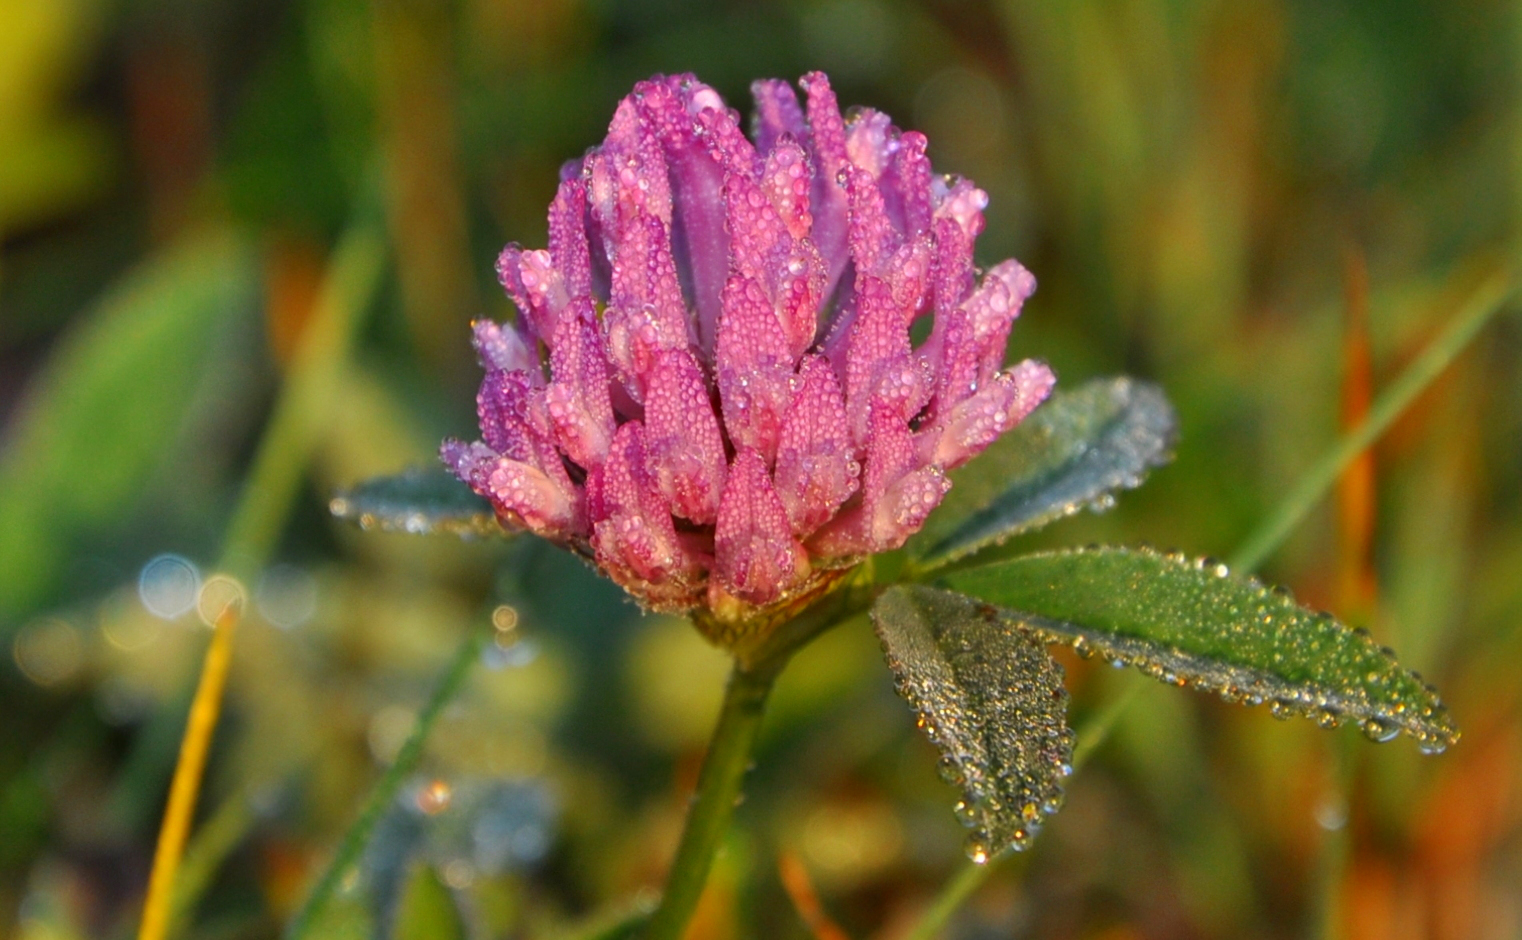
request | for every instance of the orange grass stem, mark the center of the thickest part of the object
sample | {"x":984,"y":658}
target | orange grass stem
{"x":800,"y":890}
{"x":1492,"y":295}
{"x":204,"y":710}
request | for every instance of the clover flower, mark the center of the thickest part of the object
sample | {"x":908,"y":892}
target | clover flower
{"x":733,"y":411}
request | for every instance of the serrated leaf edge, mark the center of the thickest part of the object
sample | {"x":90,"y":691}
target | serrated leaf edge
{"x":1432,"y":728}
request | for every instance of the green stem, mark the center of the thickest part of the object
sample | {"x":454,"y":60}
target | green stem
{"x":963,"y":885}
{"x":1488,"y":298}
{"x":381,"y":797}
{"x":729,"y":756}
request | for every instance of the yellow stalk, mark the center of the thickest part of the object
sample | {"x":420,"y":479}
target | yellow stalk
{"x":204,"y":710}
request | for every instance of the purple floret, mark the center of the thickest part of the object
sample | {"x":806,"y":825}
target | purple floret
{"x":733,"y":408}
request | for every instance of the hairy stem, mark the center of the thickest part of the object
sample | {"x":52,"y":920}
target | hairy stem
{"x":729,"y":756}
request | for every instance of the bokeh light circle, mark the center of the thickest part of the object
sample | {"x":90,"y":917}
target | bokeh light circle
{"x":169,"y":585}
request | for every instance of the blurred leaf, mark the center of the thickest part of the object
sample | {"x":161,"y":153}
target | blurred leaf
{"x":279,"y":162}
{"x":106,"y":407}
{"x":427,"y":910}
{"x":991,"y":699}
{"x":49,"y":159}
{"x":346,"y":919}
{"x":1073,"y":452}
{"x":49,"y":169}
{"x":1192,"y":623}
{"x":419,"y":501}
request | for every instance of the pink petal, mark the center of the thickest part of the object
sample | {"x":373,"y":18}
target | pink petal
{"x":472,"y":462}
{"x":646,"y":314}
{"x":952,"y":272}
{"x":527,"y":494}
{"x":523,"y":495}
{"x":568,"y":237}
{"x":532,"y":295}
{"x":960,"y":201}
{"x":699,"y":241}
{"x":682,"y":440}
{"x":504,"y":409}
{"x":504,"y":348}
{"x":968,"y":342}
{"x":633,"y":536}
{"x":757,"y":236}
{"x":577,"y":396}
{"x":754,"y":367}
{"x":786,"y":179}
{"x":777,"y":113}
{"x":908,"y":184}
{"x":871,"y":140}
{"x":880,"y":370}
{"x":545,"y":288}
{"x":756,"y":557}
{"x":898,"y":492}
{"x":817,"y":469}
{"x":799,"y":292}
{"x":827,"y":144}
{"x":871,"y":233}
{"x":977,"y":421}
{"x":993,"y":307}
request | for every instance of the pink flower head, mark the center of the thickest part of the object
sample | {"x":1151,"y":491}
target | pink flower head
{"x":733,"y":407}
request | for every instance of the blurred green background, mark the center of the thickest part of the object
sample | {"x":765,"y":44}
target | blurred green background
{"x":1268,"y":206}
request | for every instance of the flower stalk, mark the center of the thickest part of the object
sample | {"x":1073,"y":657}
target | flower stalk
{"x":734,"y":738}
{"x":724,"y":768}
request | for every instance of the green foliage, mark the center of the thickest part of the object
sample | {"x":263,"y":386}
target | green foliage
{"x":427,"y":911}
{"x":101,"y":415}
{"x":1075,"y":451}
{"x":1192,"y":623}
{"x":990,"y":697}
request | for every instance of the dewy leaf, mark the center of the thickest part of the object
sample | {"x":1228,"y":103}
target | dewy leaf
{"x":991,"y":699}
{"x":1074,"y":451}
{"x":418,"y":501}
{"x":1192,"y":623}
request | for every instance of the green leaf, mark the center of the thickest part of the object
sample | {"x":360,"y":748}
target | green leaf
{"x":1075,"y":451}
{"x":1192,"y":623}
{"x":991,"y":699}
{"x":418,"y":501}
{"x":427,"y":910}
{"x":103,"y":412}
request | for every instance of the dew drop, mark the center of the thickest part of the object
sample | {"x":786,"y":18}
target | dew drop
{"x":433,"y":797}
